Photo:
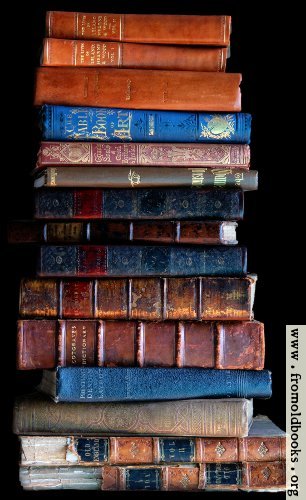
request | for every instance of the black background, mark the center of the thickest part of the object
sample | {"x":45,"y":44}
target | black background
{"x":266,"y":47}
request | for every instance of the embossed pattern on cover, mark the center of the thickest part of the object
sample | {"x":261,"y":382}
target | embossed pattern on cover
{"x":69,"y":123}
{"x":39,"y":415}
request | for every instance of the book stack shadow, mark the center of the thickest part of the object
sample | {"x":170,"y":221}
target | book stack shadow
{"x":140,"y":314}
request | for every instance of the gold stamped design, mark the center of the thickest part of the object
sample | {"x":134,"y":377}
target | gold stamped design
{"x":262,"y":450}
{"x":220,"y":449}
{"x":219,"y":126}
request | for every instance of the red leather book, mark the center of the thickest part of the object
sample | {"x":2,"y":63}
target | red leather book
{"x":58,"y":52}
{"x":138,"y":89}
{"x":163,"y":231}
{"x":148,"y":299}
{"x":140,"y":28}
{"x":46,"y":344}
{"x":145,"y":154}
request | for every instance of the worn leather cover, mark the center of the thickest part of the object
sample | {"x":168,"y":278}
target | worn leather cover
{"x":39,"y":415}
{"x":140,"y":28}
{"x":191,"y":232}
{"x":150,"y":299}
{"x":135,"y":177}
{"x":57,"y":52}
{"x":184,"y":477}
{"x":265,"y":443}
{"x":140,"y":203}
{"x":144,"y":344}
{"x":70,"y":123}
{"x":170,"y":155}
{"x":153,"y":384}
{"x":131,"y":260}
{"x":138,"y":88}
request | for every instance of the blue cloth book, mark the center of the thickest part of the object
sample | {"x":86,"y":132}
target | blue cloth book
{"x":142,"y":384}
{"x":66,"y":123}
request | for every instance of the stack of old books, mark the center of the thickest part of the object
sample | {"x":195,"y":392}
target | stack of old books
{"x":142,"y":321}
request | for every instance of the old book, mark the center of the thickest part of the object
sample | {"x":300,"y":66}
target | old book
{"x":93,"y":384}
{"x":138,"y":260}
{"x":153,"y":177}
{"x":138,"y":88}
{"x":246,"y":476}
{"x":265,"y":443}
{"x":191,"y":232}
{"x":140,"y":28}
{"x":163,"y":203}
{"x":61,"y":52}
{"x":152,"y":299}
{"x":144,"y":154}
{"x":48,"y":343}
{"x":69,"y":123}
{"x":36,"y":414}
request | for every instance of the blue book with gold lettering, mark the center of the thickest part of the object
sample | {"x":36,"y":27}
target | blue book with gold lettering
{"x":68,"y":123}
{"x":141,"y":384}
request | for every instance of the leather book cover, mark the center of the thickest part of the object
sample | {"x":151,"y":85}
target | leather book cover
{"x":138,"y":88}
{"x":140,"y":28}
{"x":153,"y":177}
{"x":91,"y":53}
{"x":45,"y":344}
{"x":248,"y":476}
{"x":190,"y":232}
{"x":143,"y":154}
{"x":35,"y":414}
{"x":137,"y":260}
{"x":149,"y":299}
{"x":140,"y":203}
{"x":265,"y":443}
{"x":70,"y":123}
{"x":95,"y":384}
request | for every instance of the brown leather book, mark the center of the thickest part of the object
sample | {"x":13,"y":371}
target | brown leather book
{"x":46,"y":344}
{"x":148,"y":299}
{"x":191,"y":232}
{"x":144,"y":177}
{"x":265,"y":443}
{"x":138,"y":89}
{"x":35,"y":414}
{"x":57,"y":52}
{"x":140,"y":28}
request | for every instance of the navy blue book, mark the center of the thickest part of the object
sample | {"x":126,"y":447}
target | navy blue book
{"x":69,"y":123}
{"x":142,"y":384}
{"x":138,"y":260}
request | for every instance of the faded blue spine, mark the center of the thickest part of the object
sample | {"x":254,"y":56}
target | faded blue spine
{"x":65,"y":123}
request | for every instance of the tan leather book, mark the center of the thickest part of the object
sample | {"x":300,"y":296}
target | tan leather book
{"x":35,"y":414}
{"x":265,"y":443}
{"x":138,"y":88}
{"x":57,"y":52}
{"x":140,"y":28}
{"x":151,"y":299}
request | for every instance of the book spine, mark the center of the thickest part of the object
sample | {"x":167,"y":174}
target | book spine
{"x":57,"y":52}
{"x":127,"y":177}
{"x":140,"y":28}
{"x":143,"y":384}
{"x":191,"y":232}
{"x":143,"y":154}
{"x":66,"y":123}
{"x":124,"y":343}
{"x":211,"y":418}
{"x":213,"y":204}
{"x":72,"y":450}
{"x":138,"y":88}
{"x":150,"y":299}
{"x":116,"y":261}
